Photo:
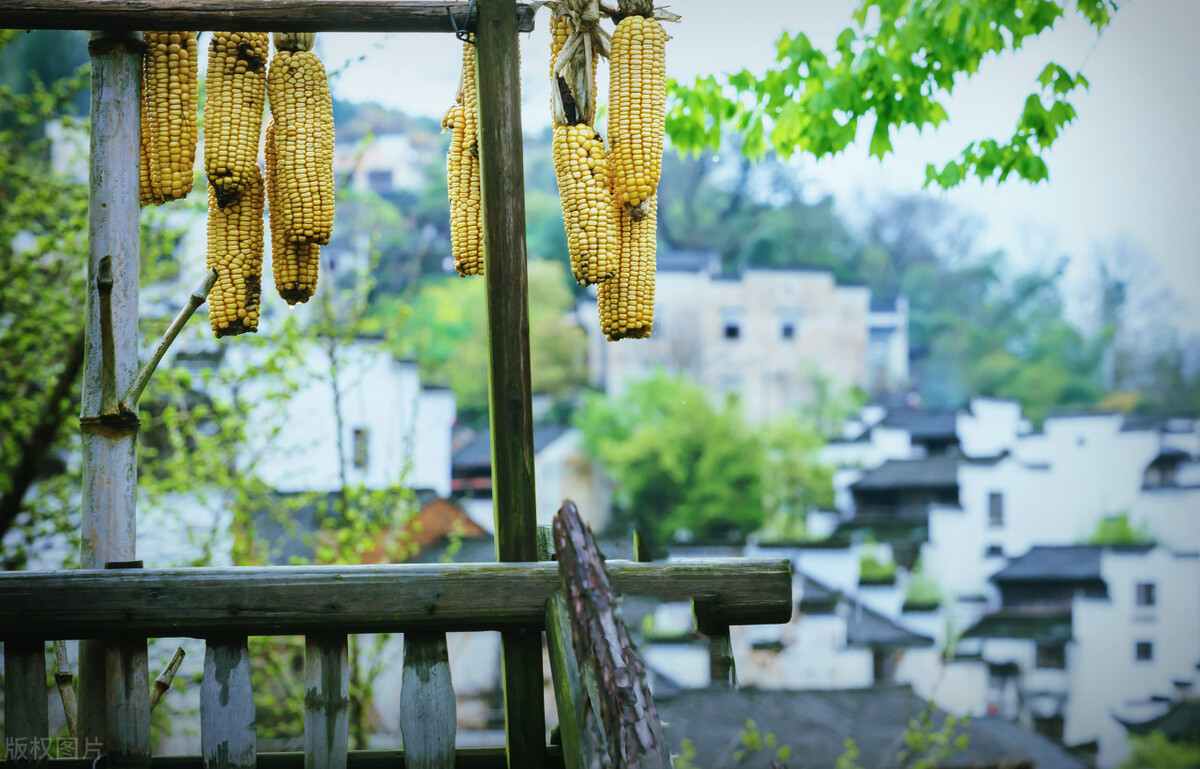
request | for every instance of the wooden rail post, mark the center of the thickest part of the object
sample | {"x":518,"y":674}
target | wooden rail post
{"x":227,"y":735}
{"x":110,"y":346}
{"x":509,"y":390}
{"x":428,"y":712}
{"x":26,"y":726}
{"x":326,"y":702}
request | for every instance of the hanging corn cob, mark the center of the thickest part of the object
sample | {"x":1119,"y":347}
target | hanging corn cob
{"x":637,"y":103}
{"x":235,"y":93}
{"x":580,"y":159}
{"x":235,"y":249}
{"x":294,"y":265}
{"x":463,"y":173}
{"x":302,"y":111}
{"x":626,"y":301}
{"x":170,"y":86}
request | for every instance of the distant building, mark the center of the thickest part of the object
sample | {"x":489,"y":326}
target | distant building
{"x":561,"y":467}
{"x":1088,"y":639}
{"x":763,"y":336}
{"x":387,"y":165}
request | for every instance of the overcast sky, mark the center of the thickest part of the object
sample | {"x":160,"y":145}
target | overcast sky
{"x":1128,"y":167}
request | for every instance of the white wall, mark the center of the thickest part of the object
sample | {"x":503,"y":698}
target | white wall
{"x":1171,"y":515}
{"x":407,"y":430}
{"x":1107,"y":631}
{"x":990,"y":427}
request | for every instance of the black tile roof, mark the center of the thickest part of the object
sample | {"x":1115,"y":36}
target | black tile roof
{"x":477,"y":453}
{"x":865,"y":627}
{"x":1061,"y":562}
{"x":924,"y":425}
{"x":928,"y":473}
{"x":1181,"y":722}
{"x":1047,"y":627}
{"x":816,"y":725}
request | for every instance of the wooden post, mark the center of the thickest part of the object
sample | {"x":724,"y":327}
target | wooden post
{"x":570,"y":694}
{"x":428,"y":712}
{"x":721,"y":669}
{"x":26,"y":722}
{"x":227,"y":736}
{"x":498,"y":71}
{"x":128,"y":696}
{"x":109,"y":440}
{"x":326,"y":702}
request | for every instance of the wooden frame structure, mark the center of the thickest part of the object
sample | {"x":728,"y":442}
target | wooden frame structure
{"x":113,"y":605}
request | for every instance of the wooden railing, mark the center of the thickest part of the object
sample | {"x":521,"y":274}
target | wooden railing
{"x":325,"y":603}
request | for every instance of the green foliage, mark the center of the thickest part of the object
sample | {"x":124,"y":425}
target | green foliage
{"x":446,"y":331}
{"x":43,"y":241}
{"x":1116,"y":530}
{"x":684,"y":464}
{"x":894,"y":65}
{"x":872,"y":568}
{"x":923,"y":590}
{"x":1155,"y":751}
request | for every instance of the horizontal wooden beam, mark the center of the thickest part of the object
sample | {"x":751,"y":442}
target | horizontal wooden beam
{"x":299,"y":600}
{"x":248,"y":15}
{"x":464,"y":758}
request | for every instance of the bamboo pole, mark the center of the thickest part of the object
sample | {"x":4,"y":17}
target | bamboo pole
{"x":498,"y":73}
{"x":109,"y":439}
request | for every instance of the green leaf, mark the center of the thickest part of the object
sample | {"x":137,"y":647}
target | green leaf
{"x":881,"y":144}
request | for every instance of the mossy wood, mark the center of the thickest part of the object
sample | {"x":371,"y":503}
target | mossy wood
{"x":357,"y":599}
{"x":250,"y":15}
{"x":464,"y":758}
{"x":498,"y":76}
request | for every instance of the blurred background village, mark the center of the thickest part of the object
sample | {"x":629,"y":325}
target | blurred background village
{"x":982,"y":456}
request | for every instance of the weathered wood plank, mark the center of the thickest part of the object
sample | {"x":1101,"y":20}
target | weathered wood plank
{"x":621,"y":695}
{"x":299,"y":600}
{"x":109,"y":526}
{"x":569,"y":692}
{"x":26,"y":721}
{"x":127,"y":684}
{"x":250,"y":15}
{"x":721,"y":668}
{"x":465,"y":758}
{"x":326,"y":702}
{"x":227,"y":736}
{"x":428,"y":713}
{"x":510,"y":394}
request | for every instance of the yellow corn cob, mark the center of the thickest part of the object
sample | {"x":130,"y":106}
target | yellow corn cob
{"x":235,"y":248}
{"x":235,"y":93}
{"x":589,"y":215}
{"x":636,"y":108}
{"x":295,"y":265}
{"x":626,"y":301}
{"x":170,"y":85}
{"x":302,"y":111}
{"x":463,"y":174}
{"x":146,"y":185}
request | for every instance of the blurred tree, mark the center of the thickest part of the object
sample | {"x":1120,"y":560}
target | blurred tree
{"x":683,"y":464}
{"x":1155,"y":751}
{"x":446,"y":332}
{"x":896,"y":63}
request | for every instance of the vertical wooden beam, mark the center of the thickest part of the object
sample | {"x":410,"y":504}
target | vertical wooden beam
{"x":109,"y":442}
{"x":428,"y":712}
{"x":26,"y":721}
{"x":326,"y":702}
{"x":503,"y":187}
{"x":721,"y":668}
{"x":128,"y":696}
{"x":570,"y":692}
{"x":227,"y":736}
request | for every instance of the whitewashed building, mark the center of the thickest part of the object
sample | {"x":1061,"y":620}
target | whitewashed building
{"x":1089,"y":637}
{"x":762,"y":336}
